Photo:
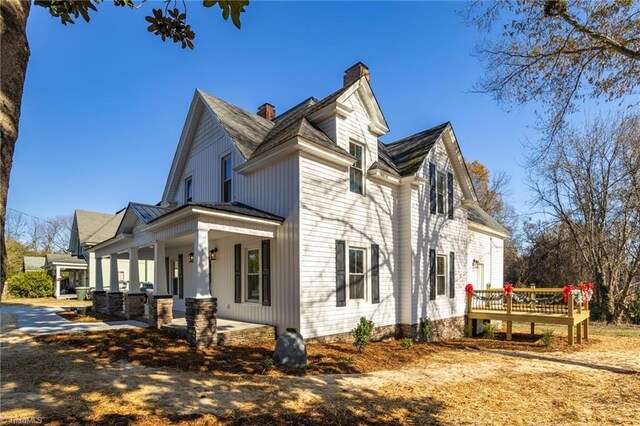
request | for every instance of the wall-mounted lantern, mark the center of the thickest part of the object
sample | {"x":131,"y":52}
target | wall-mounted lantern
{"x":191,"y":257}
{"x":213,"y":254}
{"x":475,"y":263}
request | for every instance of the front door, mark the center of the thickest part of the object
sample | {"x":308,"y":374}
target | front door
{"x":177,"y":284}
{"x":480,"y":277}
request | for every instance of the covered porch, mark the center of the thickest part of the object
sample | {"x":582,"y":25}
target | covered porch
{"x":75,"y":269}
{"x":211,"y":273}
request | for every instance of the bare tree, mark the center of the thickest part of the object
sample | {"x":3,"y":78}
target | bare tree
{"x":558,"y":52}
{"x":17,"y":225}
{"x":588,"y":182}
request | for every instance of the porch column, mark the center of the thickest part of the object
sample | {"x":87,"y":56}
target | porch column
{"x":58,"y":282}
{"x":113,"y":276}
{"x":159,"y":273}
{"x":97,"y":274}
{"x":201,"y":262}
{"x":134,"y":274}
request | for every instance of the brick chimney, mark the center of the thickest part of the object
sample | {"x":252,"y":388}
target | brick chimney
{"x":355,"y":72}
{"x":267,"y":111}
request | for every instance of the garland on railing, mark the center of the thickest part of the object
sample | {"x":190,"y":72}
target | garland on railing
{"x":490,"y":298}
{"x":580,"y":294}
{"x":522,"y":298}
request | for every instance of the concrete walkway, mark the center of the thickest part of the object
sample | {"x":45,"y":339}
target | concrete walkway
{"x":44,"y":320}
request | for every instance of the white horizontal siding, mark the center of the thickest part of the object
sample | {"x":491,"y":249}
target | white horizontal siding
{"x":488,"y":251}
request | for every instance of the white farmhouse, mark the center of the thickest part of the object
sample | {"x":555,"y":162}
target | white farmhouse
{"x":306,"y":220}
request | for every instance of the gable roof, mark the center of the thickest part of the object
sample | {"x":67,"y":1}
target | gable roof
{"x":481,"y":217}
{"x":33,"y":263}
{"x":94,"y":227}
{"x":407,"y":154}
{"x":53,"y":258}
{"x":246,"y":130}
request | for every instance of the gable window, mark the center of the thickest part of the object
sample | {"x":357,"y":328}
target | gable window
{"x":356,"y":273}
{"x":253,"y":275}
{"x":440,"y":192}
{"x":356,"y":175}
{"x":188,"y":190}
{"x":226,"y":178}
{"x":441,"y":274}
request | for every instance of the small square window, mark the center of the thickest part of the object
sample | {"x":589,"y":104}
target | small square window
{"x":356,"y":171}
{"x":188,"y":190}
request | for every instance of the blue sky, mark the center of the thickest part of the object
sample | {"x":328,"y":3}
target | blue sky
{"x":105,"y":102}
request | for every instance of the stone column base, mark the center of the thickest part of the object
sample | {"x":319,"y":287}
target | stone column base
{"x":160,"y":310}
{"x":99,"y":299}
{"x":202,"y":323}
{"x":115,"y":302}
{"x":134,"y":305}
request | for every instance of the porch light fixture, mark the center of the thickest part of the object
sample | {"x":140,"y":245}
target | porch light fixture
{"x":213,"y":254}
{"x":191,"y":257}
{"x":475,"y":264}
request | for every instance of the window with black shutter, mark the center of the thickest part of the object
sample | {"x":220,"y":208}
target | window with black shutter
{"x":341,"y":291}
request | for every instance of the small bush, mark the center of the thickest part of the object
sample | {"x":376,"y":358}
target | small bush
{"x":406,"y":343}
{"x":489,"y":330}
{"x":267,"y":364}
{"x":362,"y":334}
{"x":547,"y":337}
{"x":467,"y":330}
{"x":425,"y":332}
{"x":31,"y":284}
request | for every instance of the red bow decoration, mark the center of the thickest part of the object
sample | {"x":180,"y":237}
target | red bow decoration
{"x":469,"y":289}
{"x":508,"y":288}
{"x":566,"y":290}
{"x":590,"y":286}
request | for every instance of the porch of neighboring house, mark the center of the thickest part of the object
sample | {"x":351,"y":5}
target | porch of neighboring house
{"x":68,"y":272}
{"x":531,"y":305}
{"x":195,"y":263}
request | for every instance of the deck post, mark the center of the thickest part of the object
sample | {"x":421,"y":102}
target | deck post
{"x":570,"y":327}
{"x":585,"y":325}
{"x":579,"y":334}
{"x":469,"y":321}
{"x":532,"y":296}
{"x":509,"y":323}
{"x":533,"y":328}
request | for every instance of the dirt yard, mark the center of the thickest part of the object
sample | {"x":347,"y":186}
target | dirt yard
{"x":45,"y":301}
{"x":139,"y":377}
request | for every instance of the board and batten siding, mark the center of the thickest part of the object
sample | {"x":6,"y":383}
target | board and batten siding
{"x":439,"y":232}
{"x":330,"y":212}
{"x":274,"y":189}
{"x":489,"y":251}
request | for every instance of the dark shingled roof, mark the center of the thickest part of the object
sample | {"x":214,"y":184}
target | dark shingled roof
{"x":478,"y":215}
{"x":232,"y":207}
{"x":408,"y":153}
{"x":53,"y":258}
{"x":147,"y":212}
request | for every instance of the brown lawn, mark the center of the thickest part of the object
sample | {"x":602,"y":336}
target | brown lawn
{"x":87,"y":316}
{"x":45,"y":301}
{"x":142,"y":377}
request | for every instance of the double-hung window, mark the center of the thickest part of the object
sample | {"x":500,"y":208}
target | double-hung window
{"x":227,"y":174}
{"x":356,"y":274}
{"x":356,"y":171}
{"x":188,"y":190}
{"x":441,"y":275}
{"x":440,"y":192}
{"x":253,"y":275}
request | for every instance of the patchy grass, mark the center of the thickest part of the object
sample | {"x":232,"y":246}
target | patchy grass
{"x":87,"y":316}
{"x":45,"y":301}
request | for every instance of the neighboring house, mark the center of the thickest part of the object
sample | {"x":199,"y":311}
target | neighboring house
{"x":90,"y":228}
{"x":57,"y":263}
{"x":33,"y":263}
{"x":306,"y":220}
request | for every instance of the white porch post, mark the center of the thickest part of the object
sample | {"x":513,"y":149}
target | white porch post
{"x":97,"y":274}
{"x":134,"y":274}
{"x":159,"y":273}
{"x":58,"y":282}
{"x":201,"y":262}
{"x":113,"y":275}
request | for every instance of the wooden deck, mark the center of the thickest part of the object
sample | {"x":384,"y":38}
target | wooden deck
{"x":535,"y":306}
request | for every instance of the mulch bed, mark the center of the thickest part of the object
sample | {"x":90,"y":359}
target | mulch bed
{"x":153,"y":348}
{"x":89,"y":316}
{"x":520,"y":342}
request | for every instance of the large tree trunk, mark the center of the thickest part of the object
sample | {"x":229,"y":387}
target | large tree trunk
{"x":14,"y":56}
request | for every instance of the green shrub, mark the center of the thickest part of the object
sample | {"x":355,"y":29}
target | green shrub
{"x":406,"y":343}
{"x":425,"y":332}
{"x":633,"y":308}
{"x":489,"y":330}
{"x":267,"y":364}
{"x":547,"y":336}
{"x":31,"y":284}
{"x":467,"y":330}
{"x":362,"y":334}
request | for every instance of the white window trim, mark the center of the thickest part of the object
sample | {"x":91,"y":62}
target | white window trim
{"x":187,"y":179}
{"x":365,"y":267}
{"x":364,"y":167}
{"x":446,"y":275}
{"x":222,"y":157}
{"x":245,"y":275}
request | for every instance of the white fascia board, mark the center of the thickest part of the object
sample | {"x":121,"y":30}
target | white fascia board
{"x":473,"y":226}
{"x":414,"y":180}
{"x":294,"y":145}
{"x":238,"y":217}
{"x":384,"y":177}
